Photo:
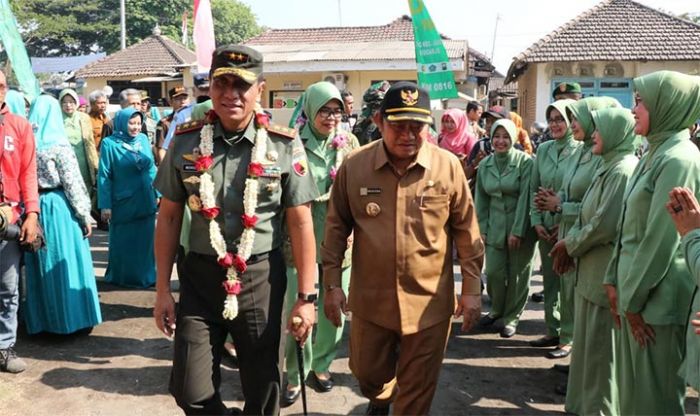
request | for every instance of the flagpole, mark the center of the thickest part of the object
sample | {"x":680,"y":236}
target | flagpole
{"x":123,"y":22}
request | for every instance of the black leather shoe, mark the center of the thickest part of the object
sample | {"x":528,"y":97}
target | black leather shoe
{"x":545,"y":342}
{"x":558,"y":353}
{"x":537,"y":297}
{"x":507,"y":331}
{"x":487,"y":320}
{"x":375,"y":409}
{"x":562,"y":368}
{"x":289,"y":397}
{"x":234,"y":411}
{"x":320,"y":386}
{"x":561,"y":389}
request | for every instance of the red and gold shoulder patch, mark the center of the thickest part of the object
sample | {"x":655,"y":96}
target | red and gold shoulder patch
{"x":189,"y":126}
{"x":287,"y":132}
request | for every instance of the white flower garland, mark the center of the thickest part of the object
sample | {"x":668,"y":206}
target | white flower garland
{"x":235,"y":264}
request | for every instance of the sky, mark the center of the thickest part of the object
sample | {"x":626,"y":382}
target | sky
{"x":520,"y":22}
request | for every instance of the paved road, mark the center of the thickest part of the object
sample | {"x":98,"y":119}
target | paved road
{"x":123,"y":368}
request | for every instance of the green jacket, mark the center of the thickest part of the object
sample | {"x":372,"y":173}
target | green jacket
{"x":648,"y":265}
{"x":578,"y":177}
{"x":322,"y":158}
{"x":502,"y":199}
{"x":548,"y":172}
{"x":591,"y":238}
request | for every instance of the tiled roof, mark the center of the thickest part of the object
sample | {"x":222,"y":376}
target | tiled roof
{"x":400,"y":30}
{"x":341,"y":51}
{"x":615,"y":30}
{"x":155,"y":55}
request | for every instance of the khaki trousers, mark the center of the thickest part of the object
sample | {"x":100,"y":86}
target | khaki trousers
{"x":395,"y":368}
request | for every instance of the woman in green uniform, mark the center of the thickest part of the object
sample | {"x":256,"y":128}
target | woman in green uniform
{"x":649,"y":282}
{"x":502,"y":207}
{"x":326,"y":146}
{"x":592,"y":386}
{"x":685,"y":211}
{"x":553,"y":158}
{"x":567,"y":200}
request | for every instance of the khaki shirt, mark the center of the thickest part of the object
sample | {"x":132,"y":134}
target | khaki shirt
{"x":281,"y":185}
{"x":403,"y":228}
{"x":98,"y":122}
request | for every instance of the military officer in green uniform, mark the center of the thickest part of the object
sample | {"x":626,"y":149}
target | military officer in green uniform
{"x":238,"y":174}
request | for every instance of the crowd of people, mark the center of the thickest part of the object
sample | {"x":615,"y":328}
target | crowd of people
{"x":365,"y":213}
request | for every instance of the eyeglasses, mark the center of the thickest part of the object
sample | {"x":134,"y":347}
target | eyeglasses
{"x":326,"y":112}
{"x":401,"y":127}
{"x":556,"y":120}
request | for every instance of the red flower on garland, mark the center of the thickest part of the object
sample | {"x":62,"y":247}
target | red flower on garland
{"x":227,"y":261}
{"x":239,"y":264}
{"x":255,"y":169}
{"x":249,"y":221}
{"x":210,"y":213}
{"x":211,"y":116}
{"x":203,"y":163}
{"x":232,"y":287}
{"x":261,"y":119}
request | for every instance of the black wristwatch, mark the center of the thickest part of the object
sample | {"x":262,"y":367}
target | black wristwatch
{"x":307,"y":297}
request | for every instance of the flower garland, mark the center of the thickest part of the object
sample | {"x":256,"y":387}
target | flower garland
{"x":235,"y":264}
{"x":340,"y":142}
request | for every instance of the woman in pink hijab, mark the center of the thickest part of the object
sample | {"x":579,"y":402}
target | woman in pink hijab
{"x":453,"y":133}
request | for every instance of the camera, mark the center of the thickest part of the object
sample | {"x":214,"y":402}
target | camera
{"x":8,"y":231}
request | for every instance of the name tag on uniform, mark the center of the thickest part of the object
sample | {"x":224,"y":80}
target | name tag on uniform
{"x":370,"y":191}
{"x":271,"y":172}
{"x":189,"y":167}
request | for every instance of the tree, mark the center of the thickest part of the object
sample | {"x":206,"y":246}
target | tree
{"x":693,"y":17}
{"x":76,"y":27}
{"x":234,"y":22}
{"x":65,"y":27}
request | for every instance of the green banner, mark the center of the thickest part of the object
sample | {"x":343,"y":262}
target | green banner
{"x":434,"y":69}
{"x":14,"y":46}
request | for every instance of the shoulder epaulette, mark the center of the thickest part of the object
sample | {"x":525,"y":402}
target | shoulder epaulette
{"x":189,"y":126}
{"x":287,"y":132}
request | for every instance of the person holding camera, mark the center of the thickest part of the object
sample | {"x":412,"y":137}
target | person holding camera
{"x":18,"y":195}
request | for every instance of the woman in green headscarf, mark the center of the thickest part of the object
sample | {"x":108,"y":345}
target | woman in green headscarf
{"x":553,"y":159}
{"x":592,"y":387}
{"x":326,"y":146}
{"x":16,"y":103}
{"x":567,"y":200}
{"x":502,"y":207}
{"x":78,"y":127}
{"x":648,"y":281}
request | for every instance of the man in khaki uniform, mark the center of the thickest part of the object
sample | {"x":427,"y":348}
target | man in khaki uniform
{"x":405,"y":200}
{"x":283,"y":184}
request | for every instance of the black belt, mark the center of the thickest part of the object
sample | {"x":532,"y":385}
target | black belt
{"x":254,"y":258}
{"x":47,"y":190}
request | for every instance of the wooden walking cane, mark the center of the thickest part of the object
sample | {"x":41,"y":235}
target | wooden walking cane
{"x":296,"y":321}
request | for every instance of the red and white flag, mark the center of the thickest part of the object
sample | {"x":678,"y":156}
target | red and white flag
{"x":203,"y":34}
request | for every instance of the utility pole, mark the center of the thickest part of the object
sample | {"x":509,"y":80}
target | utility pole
{"x":123,"y":22}
{"x":340,"y":14}
{"x":495,"y":30}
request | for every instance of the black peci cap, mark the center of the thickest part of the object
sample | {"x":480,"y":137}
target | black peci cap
{"x":238,"y":60}
{"x":406,"y":101}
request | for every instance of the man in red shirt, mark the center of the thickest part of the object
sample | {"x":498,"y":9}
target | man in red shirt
{"x":19,"y":194}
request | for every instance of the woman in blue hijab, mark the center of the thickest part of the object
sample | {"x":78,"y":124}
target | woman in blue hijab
{"x":61,"y":289}
{"x":127,"y":199}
